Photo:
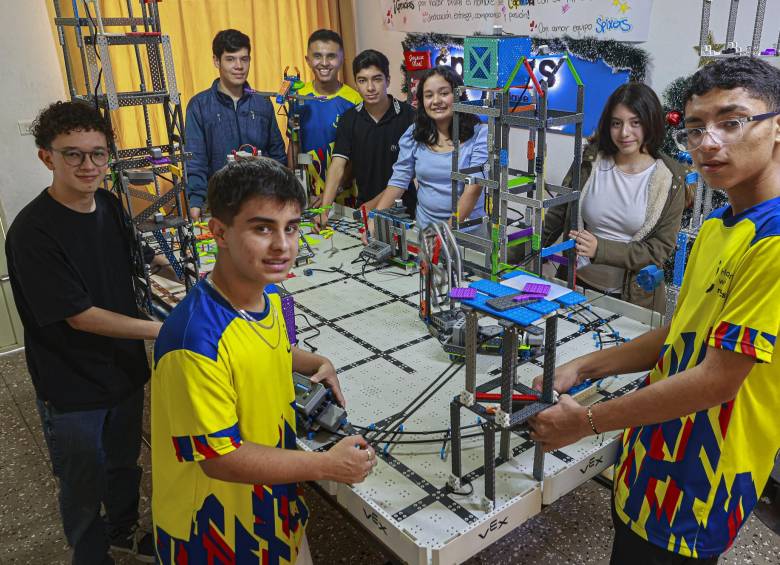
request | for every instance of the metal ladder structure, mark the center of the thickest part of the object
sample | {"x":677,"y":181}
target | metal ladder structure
{"x":731,"y":47}
{"x":702,"y":204}
{"x":150,"y":180}
{"x":505,"y":185}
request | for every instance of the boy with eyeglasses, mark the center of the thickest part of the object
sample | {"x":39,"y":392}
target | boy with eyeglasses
{"x":701,"y":435}
{"x":69,"y":260}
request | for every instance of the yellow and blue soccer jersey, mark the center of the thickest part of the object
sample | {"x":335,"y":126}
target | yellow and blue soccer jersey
{"x":319,"y":119}
{"x":216,"y":384}
{"x":688,"y":485}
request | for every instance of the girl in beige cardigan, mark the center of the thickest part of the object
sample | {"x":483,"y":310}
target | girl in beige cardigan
{"x":624,"y":150}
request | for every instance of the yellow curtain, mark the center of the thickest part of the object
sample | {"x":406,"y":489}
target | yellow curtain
{"x":278,"y":30}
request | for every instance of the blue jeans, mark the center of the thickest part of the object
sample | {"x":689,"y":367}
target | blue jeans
{"x":94,"y":454}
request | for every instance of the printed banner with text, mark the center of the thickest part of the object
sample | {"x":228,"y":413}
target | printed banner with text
{"x":622,"y":20}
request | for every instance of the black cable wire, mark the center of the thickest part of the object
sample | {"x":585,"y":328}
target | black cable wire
{"x":518,"y":212}
{"x":389,"y":266}
{"x":162,"y":176}
{"x":340,"y":435}
{"x":454,"y":492}
{"x":332,"y":270}
{"x":404,"y":414}
{"x":311,"y":326}
{"x":420,"y":433}
{"x":94,"y":46}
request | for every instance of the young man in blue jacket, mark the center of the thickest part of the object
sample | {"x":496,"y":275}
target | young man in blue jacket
{"x":226,"y":116}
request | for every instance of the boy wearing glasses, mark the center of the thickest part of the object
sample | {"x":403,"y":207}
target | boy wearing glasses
{"x":700,"y":436}
{"x":69,"y":263}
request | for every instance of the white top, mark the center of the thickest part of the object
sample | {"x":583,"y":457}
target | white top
{"x":614,"y":208}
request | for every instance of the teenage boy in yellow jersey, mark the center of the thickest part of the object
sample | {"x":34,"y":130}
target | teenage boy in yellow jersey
{"x":225,"y":470}
{"x":319,"y":118}
{"x":701,"y":434}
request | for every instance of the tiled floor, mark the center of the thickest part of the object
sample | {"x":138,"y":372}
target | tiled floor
{"x":574,"y":530}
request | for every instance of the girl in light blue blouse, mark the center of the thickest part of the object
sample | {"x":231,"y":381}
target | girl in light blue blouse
{"x":426,"y":154}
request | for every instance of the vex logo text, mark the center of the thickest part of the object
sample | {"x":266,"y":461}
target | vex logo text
{"x":592,"y":462}
{"x":372,"y":517}
{"x":494,"y":526}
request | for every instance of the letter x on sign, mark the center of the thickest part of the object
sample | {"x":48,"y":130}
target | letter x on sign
{"x":480,"y":61}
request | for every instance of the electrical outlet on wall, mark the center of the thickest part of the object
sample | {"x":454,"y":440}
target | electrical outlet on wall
{"x":25,"y":127}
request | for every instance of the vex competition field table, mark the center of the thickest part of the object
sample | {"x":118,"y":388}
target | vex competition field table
{"x":364,"y":317}
{"x":400,"y":383}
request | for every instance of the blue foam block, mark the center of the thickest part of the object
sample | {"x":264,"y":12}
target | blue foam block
{"x":522,"y":316}
{"x":543,"y":307}
{"x":493,"y":288}
{"x":571,"y":298}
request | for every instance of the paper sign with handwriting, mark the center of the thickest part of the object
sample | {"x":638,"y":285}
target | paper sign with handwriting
{"x":622,"y":20}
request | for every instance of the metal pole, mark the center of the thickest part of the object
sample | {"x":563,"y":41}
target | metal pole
{"x":732,"y":25}
{"x":455,"y":161}
{"x":508,"y":374}
{"x":455,"y":440}
{"x":706,"y":6}
{"x":755,"y":46}
{"x":471,"y":350}
{"x":490,"y":461}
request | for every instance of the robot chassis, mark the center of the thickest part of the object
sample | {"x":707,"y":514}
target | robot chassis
{"x":163,"y":223}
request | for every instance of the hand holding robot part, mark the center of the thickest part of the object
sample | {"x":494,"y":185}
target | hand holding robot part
{"x":326,"y":374}
{"x":346,"y":464}
{"x":566,"y":377}
{"x":560,"y":425}
{"x":320,"y":222}
{"x":585,"y":243}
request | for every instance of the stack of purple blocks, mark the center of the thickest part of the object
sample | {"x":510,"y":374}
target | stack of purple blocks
{"x":460,"y":293}
{"x":533,"y":292}
{"x":288,"y":311}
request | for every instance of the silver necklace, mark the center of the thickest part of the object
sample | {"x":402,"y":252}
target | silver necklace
{"x":244,"y":315}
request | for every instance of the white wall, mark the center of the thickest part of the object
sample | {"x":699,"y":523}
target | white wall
{"x":31,"y":79}
{"x":674,"y":30}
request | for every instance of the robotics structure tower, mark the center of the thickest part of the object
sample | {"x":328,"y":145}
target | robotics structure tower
{"x":505,"y":185}
{"x":495,"y":64}
{"x":150,"y":180}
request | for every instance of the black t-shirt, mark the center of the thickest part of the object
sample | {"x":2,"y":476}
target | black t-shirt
{"x":62,"y":262}
{"x":372,"y":147}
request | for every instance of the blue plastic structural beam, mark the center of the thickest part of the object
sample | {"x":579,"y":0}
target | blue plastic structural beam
{"x":168,"y":252}
{"x":680,"y":257}
{"x":397,"y":222}
{"x":553,"y":249}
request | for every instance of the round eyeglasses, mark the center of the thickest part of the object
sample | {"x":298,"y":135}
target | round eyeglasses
{"x":75,"y":157}
{"x":723,"y":132}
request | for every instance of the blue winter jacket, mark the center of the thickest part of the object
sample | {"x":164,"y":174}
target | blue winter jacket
{"x":214,"y":128}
